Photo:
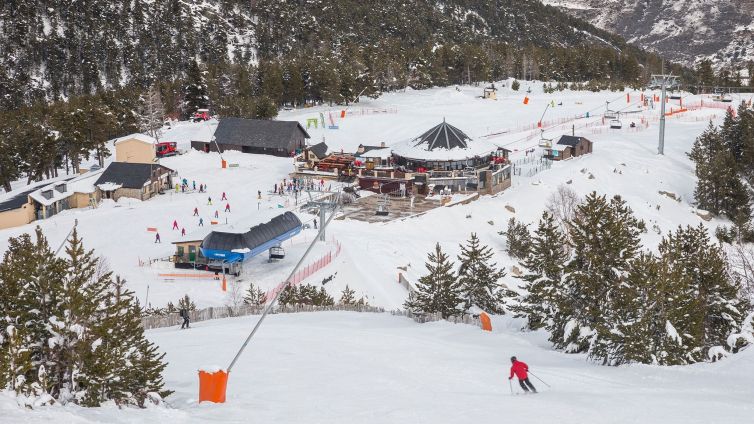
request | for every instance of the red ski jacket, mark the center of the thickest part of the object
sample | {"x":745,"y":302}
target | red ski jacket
{"x":520,"y":369}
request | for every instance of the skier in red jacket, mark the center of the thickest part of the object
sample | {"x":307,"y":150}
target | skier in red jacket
{"x":520,"y":369}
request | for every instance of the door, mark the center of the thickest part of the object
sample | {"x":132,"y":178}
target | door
{"x":192,"y":253}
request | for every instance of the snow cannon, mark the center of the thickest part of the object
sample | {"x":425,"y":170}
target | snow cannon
{"x":212,"y":385}
{"x":485,"y":321}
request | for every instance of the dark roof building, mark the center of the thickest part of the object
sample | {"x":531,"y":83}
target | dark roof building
{"x":131,"y":175}
{"x":569,"y":146}
{"x":442,"y":136}
{"x":230,"y":247}
{"x":319,"y":150}
{"x":17,"y":200}
{"x":279,"y":138}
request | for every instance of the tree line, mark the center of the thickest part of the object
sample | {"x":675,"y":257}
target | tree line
{"x":591,"y":285}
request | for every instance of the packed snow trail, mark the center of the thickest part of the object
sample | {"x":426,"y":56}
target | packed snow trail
{"x":344,"y":367}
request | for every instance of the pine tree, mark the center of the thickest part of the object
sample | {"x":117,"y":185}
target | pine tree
{"x":479,"y":278}
{"x":605,"y":240}
{"x":515,"y":85}
{"x":255,"y":296}
{"x":195,"y":92}
{"x":715,"y":308}
{"x":543,"y":279}
{"x":518,"y":239}
{"x":438,"y":291}
{"x":347,"y":297}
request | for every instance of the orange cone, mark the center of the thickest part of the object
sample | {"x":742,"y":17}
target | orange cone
{"x":526,"y":100}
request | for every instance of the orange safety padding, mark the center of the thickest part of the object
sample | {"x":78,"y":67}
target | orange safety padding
{"x":628,"y":97}
{"x":214,"y":222}
{"x":486,"y":323}
{"x":225,"y":285}
{"x":152,"y":229}
{"x":224,"y":163}
{"x":342,"y":113}
{"x":539,"y":124}
{"x":212,"y":386}
{"x":526,"y":100}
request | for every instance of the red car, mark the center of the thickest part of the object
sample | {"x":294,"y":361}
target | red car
{"x":166,"y":148}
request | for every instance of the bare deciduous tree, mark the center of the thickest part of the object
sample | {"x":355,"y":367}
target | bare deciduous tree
{"x":741,"y":259}
{"x":562,"y":206}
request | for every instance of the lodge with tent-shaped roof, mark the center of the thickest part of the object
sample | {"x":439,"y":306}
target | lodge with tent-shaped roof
{"x":443,"y":157}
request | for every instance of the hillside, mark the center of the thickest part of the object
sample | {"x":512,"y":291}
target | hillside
{"x":55,"y":50}
{"x":683,"y":31}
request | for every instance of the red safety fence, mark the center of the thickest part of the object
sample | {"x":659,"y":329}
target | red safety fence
{"x":307,"y":271}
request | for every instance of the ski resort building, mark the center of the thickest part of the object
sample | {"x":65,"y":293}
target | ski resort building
{"x":443,"y":157}
{"x":135,"y":148}
{"x":73,"y":193}
{"x":135,"y":180}
{"x":227,"y":247}
{"x":567,"y":147}
{"x":16,"y":210}
{"x":277,"y":138}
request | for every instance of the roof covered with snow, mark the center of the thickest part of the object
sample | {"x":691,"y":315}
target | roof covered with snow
{"x":254,"y":237}
{"x":382,"y":153}
{"x":60,"y":190}
{"x":136,"y":136}
{"x":443,"y":142}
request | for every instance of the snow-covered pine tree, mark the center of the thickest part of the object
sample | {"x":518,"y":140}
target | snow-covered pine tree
{"x":28,"y":269}
{"x":439,"y":290}
{"x":604,"y":239}
{"x":195,"y":92}
{"x":479,"y":278}
{"x":714,"y":309}
{"x":347,"y":296}
{"x":322,"y":298}
{"x":255,"y":296}
{"x":653,"y":327}
{"x":543,"y":277}
{"x":289,"y":295}
{"x":517,"y":238}
{"x":151,"y":111}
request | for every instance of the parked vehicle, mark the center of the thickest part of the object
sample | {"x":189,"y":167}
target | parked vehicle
{"x":166,"y":148}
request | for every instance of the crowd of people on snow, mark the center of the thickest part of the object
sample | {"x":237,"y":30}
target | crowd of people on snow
{"x":297,"y":185}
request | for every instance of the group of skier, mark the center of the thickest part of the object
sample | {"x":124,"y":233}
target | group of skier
{"x":202,"y":188}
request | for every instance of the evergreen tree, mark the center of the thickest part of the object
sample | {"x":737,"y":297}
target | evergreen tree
{"x":715,"y":308}
{"x":255,"y":296}
{"x":195,"y":92}
{"x":438,"y":291}
{"x":605,"y":240}
{"x":479,"y":278}
{"x":515,"y":85}
{"x":518,"y":239}
{"x":543,"y":279}
{"x":347,"y":297}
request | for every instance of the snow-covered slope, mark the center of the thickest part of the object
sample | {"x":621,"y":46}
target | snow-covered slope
{"x":376,"y":368}
{"x":685,"y":31}
{"x":624,"y":162}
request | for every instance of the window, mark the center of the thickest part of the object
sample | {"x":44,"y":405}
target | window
{"x":180,"y":251}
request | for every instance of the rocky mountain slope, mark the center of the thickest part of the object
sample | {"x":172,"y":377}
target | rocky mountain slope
{"x":683,"y":30}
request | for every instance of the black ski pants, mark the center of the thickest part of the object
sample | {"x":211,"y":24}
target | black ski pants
{"x":525,"y":382}
{"x":185,"y":322}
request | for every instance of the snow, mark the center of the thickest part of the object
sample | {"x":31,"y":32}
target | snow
{"x":136,"y":136}
{"x":341,"y":367}
{"x":410,"y":149}
{"x":118,"y":231}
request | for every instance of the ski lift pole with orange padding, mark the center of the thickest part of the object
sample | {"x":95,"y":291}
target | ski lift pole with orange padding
{"x":213,"y":384}
{"x":486,"y":322}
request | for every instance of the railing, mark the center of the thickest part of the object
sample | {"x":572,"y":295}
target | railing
{"x":436,"y":316}
{"x":218,"y":312}
{"x":307,"y":271}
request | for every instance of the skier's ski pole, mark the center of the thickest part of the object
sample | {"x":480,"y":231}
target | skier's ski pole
{"x":539,"y":379}
{"x":511,"y":386}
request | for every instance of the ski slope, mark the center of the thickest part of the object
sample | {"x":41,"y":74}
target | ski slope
{"x":341,"y":367}
{"x":624,"y":162}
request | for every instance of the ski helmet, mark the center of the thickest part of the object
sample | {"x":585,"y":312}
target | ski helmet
{"x":513,"y":359}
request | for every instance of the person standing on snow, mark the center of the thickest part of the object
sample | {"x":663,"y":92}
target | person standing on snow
{"x":209,"y":200}
{"x":157,"y":238}
{"x":201,"y":222}
{"x":521,"y":370}
{"x":183,"y":232}
{"x":217,"y":214}
{"x":224,"y":197}
{"x":196,"y":211}
{"x":185,"y":315}
{"x":315,"y":223}
{"x":175,"y":224}
{"x":227,"y":207}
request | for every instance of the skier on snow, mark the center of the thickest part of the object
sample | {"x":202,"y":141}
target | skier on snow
{"x":185,"y":315}
{"x":175,"y":224}
{"x":521,"y":370}
{"x":224,"y":197}
{"x":157,"y":238}
{"x":196,"y":211}
{"x":227,"y":207}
